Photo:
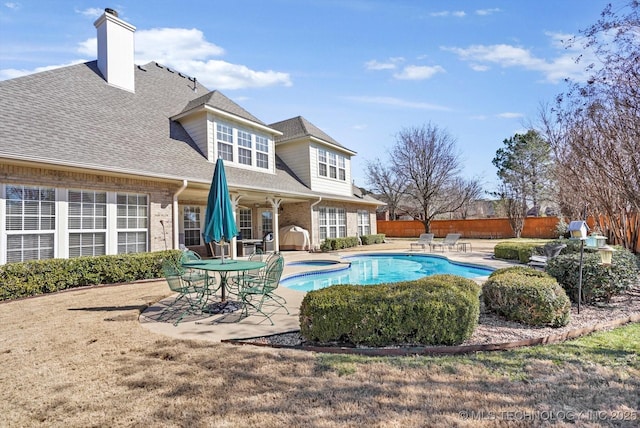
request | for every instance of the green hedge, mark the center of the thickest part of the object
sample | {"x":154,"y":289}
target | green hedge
{"x":520,"y":251}
{"x":332,"y":244}
{"x":372,"y":239}
{"x":599,"y":282}
{"x":435,"y":310}
{"x":46,"y":276}
{"x":528,"y":296}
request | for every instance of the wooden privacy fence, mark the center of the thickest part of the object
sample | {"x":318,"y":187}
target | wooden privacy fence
{"x":492,"y":228}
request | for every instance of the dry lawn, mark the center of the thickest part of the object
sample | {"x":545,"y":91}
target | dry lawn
{"x":80,"y":359}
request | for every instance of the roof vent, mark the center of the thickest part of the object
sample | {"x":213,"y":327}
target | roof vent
{"x":111,"y":11}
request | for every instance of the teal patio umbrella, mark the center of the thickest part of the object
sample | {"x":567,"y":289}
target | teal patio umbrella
{"x":219,"y":224}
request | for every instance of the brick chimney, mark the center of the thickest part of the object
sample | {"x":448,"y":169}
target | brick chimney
{"x":115,"y":50}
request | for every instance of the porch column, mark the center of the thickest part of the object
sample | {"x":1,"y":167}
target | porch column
{"x":275,"y":207}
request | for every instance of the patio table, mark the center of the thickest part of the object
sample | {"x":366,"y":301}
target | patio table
{"x":224,"y":268}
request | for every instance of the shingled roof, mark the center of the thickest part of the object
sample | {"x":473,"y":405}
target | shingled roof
{"x":299,"y":127}
{"x":219,"y":101}
{"x":71,"y":117}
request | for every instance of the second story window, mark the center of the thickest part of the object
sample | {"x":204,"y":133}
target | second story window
{"x":224,"y":135}
{"x":331,"y":165}
{"x":262,"y":152}
{"x":244,"y":147}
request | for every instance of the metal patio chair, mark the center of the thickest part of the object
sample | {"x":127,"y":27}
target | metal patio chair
{"x":259,"y":293}
{"x":192,"y":292}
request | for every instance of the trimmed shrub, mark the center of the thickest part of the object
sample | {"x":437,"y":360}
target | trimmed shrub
{"x":527,"y":296}
{"x":599,"y":282}
{"x":435,"y":310}
{"x":45,"y":276}
{"x":520,"y":251}
{"x":372,"y":239}
{"x":332,"y":244}
{"x":521,"y":270}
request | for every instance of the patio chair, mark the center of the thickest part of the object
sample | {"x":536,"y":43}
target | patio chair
{"x":233,"y":285}
{"x":423,"y":241}
{"x":259,"y":293}
{"x":192,"y":293}
{"x":449,"y":242}
{"x":547,"y":252}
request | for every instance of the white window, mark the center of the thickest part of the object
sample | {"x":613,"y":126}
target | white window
{"x":246,"y":226}
{"x":364,"y":227}
{"x":332,"y":222}
{"x":244,"y":148}
{"x":30,"y":223}
{"x":191,"y":225}
{"x":224,"y":136}
{"x":322,"y":163}
{"x":262,"y":152}
{"x":87,"y":223}
{"x":132,"y":223}
{"x":331,"y":165}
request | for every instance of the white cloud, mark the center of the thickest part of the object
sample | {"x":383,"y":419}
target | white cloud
{"x":456,"y":13}
{"x":397,"y":102}
{"x":509,"y":115}
{"x":555,"y":70}
{"x":187,"y":51}
{"x":484,"y":12}
{"x":12,"y":5}
{"x":389,"y":64}
{"x":375,"y":65}
{"x":359,"y":127}
{"x":418,"y":72}
{"x":93,"y":12}
{"x":479,"y":67}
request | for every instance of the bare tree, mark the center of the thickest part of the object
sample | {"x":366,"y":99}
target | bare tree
{"x":595,"y":128}
{"x":425,"y":158}
{"x":386,"y":184}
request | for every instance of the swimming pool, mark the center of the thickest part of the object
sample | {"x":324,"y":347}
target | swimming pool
{"x":380,"y":268}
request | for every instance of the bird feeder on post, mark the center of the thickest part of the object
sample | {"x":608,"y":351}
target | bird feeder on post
{"x":578,"y":230}
{"x":606,"y":255}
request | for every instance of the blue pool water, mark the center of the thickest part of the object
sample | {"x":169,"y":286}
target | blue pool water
{"x":381,"y":268}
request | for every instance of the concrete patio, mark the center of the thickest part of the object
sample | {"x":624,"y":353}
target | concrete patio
{"x":229,"y":326}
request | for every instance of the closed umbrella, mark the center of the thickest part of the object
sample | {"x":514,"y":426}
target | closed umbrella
{"x":219,"y":224}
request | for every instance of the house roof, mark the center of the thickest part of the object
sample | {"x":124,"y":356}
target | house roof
{"x":299,"y":127}
{"x":71,"y":117}
{"x":218,"y":100}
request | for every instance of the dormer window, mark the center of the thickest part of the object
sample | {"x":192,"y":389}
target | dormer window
{"x":331,"y":165}
{"x":262,"y":152}
{"x":224,"y":136}
{"x":244,"y":147}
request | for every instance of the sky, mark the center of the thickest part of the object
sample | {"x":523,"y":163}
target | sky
{"x":361,"y":70}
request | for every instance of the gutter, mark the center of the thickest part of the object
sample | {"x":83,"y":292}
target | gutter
{"x":176,"y":225}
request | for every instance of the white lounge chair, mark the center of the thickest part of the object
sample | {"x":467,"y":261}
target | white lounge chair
{"x":449,"y":241}
{"x":549,"y":251}
{"x":424,"y":240}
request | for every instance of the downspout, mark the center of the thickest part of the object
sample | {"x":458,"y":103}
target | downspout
{"x":311,"y":214}
{"x":176,"y":225}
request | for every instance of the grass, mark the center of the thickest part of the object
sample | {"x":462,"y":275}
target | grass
{"x":81,"y":359}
